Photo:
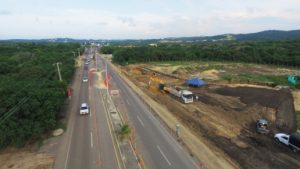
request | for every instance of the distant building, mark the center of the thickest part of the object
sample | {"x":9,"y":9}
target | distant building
{"x":153,"y":44}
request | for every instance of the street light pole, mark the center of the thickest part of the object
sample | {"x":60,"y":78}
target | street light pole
{"x":96,"y":62}
{"x":106,"y":78}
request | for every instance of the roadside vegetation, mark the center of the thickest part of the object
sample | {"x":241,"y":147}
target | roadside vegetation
{"x":285,"y":53}
{"x":270,"y":80}
{"x":124,"y":132}
{"x":31,"y":94}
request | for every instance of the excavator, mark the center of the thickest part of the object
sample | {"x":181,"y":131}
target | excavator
{"x":155,"y":82}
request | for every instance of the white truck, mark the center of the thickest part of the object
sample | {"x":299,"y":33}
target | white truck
{"x":185,"y":95}
{"x":292,"y":140}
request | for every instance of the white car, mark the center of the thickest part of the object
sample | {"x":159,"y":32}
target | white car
{"x":282,"y":138}
{"x":85,"y":79}
{"x":84,"y":109}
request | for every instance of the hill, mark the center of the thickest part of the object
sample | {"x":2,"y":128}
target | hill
{"x":258,"y":36}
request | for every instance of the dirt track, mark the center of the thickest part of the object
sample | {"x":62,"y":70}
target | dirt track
{"x":226,"y":118}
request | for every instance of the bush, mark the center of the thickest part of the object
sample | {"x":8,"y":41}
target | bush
{"x":125,"y":132}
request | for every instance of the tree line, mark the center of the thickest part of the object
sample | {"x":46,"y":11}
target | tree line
{"x":31,"y":96}
{"x":286,"y":52}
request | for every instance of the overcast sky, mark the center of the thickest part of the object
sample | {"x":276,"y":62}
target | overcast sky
{"x":120,"y":19}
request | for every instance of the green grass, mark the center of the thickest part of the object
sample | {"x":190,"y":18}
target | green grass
{"x":211,"y":66}
{"x":274,"y":80}
{"x":172,"y":63}
{"x":203,"y":65}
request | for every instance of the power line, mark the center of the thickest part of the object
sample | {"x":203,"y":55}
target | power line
{"x":15,"y":108}
{"x":12,"y":96}
{"x":4,"y":100}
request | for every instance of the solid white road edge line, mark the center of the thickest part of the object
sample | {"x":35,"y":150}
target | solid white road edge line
{"x":92,"y":140}
{"x":127,"y":102}
{"x":162,"y":153}
{"x":140,"y":121}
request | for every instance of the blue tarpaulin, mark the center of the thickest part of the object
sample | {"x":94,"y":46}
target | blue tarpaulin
{"x":196,"y":82}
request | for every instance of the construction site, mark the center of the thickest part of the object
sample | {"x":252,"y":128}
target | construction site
{"x":226,"y":113}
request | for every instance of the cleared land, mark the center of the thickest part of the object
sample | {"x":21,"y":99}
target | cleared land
{"x":226,"y":112}
{"x":24,"y":159}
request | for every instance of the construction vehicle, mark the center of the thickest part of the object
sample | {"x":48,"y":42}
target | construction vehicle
{"x":262,"y":126}
{"x":155,"y":83}
{"x":155,"y":80}
{"x":294,"y":79}
{"x":184,"y":95}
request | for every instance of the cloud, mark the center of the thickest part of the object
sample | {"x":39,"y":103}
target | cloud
{"x":102,"y":23}
{"x":194,"y":18}
{"x":5,"y":12}
{"x":127,"y":20}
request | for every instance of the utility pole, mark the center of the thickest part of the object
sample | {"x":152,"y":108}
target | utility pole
{"x":96,"y":63}
{"x":78,"y":52}
{"x":58,"y":70}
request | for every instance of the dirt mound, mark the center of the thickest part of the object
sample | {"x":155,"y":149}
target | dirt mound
{"x":166,"y":68}
{"x":212,"y":74}
{"x":282,"y":101}
{"x":181,"y":72}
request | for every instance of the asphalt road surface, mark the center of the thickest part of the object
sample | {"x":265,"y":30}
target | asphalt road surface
{"x":88,"y":143}
{"x":158,"y":148}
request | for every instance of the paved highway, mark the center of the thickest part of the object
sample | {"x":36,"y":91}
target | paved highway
{"x":88,"y":143}
{"x":158,"y":148}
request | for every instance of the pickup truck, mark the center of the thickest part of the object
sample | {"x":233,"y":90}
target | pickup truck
{"x":292,"y":140}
